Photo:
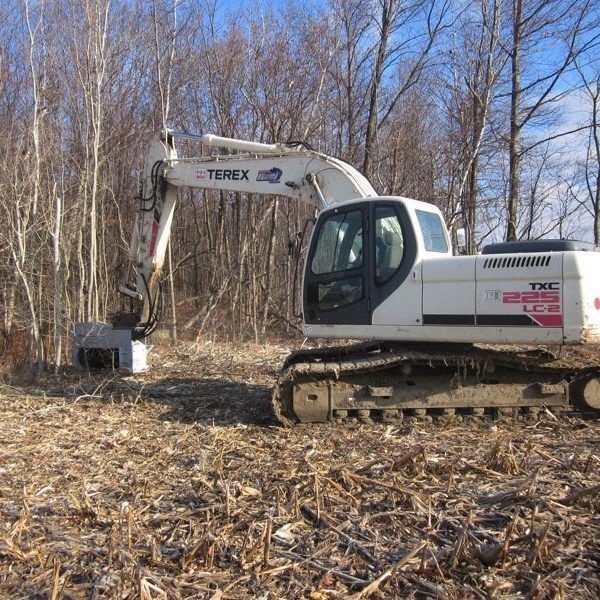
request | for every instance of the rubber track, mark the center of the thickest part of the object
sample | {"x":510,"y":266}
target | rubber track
{"x":337,"y":361}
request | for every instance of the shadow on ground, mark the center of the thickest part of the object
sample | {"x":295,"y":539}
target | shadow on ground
{"x":208,"y":401}
{"x":188,"y":400}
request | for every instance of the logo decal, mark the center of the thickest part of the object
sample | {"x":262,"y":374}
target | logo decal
{"x":492,"y":295}
{"x":541,"y":303}
{"x":272,"y":175}
{"x":222,"y":174}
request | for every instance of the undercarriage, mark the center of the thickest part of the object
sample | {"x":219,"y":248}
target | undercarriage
{"x":390,"y":382}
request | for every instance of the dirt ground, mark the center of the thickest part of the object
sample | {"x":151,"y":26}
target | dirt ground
{"x":177,"y":483}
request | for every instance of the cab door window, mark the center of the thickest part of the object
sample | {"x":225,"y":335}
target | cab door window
{"x":340,"y":244}
{"x":337,"y":260}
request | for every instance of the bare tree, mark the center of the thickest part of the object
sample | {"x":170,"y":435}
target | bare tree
{"x":475,"y":62}
{"x":23,"y":235}
{"x":555,"y":32}
{"x":350,"y":74}
{"x":395,"y":42}
{"x":588,"y":194}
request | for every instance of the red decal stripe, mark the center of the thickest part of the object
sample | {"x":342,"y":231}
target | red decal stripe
{"x":153,"y":238}
{"x":548,"y":320}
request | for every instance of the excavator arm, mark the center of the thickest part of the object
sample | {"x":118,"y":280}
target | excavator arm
{"x":287,"y":170}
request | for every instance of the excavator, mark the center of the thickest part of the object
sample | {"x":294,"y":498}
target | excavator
{"x":437,"y":335}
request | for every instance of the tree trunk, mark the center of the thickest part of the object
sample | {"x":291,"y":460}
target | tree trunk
{"x":58,"y":281}
{"x":596,"y":142}
{"x":387,"y":9}
{"x":270,"y":266}
{"x":515,"y":127}
{"x":471,"y":208}
{"x":98,"y":29}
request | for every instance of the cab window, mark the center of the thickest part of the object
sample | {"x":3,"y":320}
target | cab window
{"x":433,"y":230}
{"x":340,"y":244}
{"x":389,"y":244}
{"x":337,"y":260}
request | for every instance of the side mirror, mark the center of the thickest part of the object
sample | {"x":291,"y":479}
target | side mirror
{"x":461,"y":240}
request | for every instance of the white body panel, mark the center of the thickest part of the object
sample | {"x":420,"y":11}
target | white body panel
{"x":528,"y":286}
{"x":527,"y":298}
{"x":405,"y":305}
{"x":449,"y":285}
{"x":581,"y":297}
{"x":435,"y":333}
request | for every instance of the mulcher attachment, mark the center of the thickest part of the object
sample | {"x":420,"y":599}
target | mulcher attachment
{"x":101,"y":346}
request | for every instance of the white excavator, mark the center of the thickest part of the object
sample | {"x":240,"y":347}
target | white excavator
{"x":447,"y":335}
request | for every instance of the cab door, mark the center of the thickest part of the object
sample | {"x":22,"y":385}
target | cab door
{"x":394,"y":254}
{"x":336,"y":276}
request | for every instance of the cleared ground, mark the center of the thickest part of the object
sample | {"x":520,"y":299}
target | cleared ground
{"x":178,"y":483}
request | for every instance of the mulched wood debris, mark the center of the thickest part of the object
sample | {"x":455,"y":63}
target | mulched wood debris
{"x":177,"y":483}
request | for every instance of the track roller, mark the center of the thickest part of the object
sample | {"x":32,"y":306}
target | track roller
{"x":389,"y":415}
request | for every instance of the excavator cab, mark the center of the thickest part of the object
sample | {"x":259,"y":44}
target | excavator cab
{"x":360,"y":252}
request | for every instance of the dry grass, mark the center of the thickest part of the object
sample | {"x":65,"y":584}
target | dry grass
{"x":177,"y":484}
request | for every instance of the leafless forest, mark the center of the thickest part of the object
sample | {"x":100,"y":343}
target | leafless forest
{"x":177,"y":482}
{"x":487,"y":108}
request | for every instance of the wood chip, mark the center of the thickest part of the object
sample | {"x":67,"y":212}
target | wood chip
{"x":178,"y":483}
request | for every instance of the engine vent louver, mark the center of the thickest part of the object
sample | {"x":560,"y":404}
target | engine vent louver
{"x":517,"y":262}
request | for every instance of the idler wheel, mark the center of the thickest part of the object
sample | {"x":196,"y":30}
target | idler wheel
{"x":590,"y":393}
